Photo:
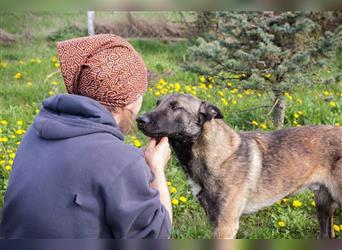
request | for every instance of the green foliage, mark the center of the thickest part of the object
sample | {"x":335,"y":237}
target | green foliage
{"x":263,"y":49}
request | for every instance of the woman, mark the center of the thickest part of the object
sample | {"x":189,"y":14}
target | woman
{"x":73,"y":175}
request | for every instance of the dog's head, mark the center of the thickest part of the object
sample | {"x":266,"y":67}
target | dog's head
{"x":177,"y":116}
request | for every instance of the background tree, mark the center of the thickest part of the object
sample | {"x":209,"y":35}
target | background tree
{"x":266,"y":51}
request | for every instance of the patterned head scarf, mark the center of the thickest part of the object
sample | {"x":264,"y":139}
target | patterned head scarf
{"x":104,"y":67}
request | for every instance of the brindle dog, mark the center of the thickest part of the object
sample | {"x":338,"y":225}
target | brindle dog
{"x":240,"y":173}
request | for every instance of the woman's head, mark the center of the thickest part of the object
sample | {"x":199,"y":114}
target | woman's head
{"x":107,"y":69}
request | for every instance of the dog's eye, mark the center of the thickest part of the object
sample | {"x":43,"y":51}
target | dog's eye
{"x":173,"y":106}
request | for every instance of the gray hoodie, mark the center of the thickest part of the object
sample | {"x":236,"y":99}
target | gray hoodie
{"x":74,"y":177}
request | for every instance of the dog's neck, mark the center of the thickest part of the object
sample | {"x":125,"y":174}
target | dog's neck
{"x":215,"y":144}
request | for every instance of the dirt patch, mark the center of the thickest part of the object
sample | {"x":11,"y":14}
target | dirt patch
{"x":6,"y":38}
{"x":141,"y":28}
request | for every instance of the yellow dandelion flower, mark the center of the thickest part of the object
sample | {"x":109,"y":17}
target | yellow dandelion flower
{"x":239,"y":95}
{"x":313,"y":203}
{"x":183,"y":199}
{"x":295,"y":122}
{"x":20,"y":122}
{"x":3,"y":65}
{"x":175,"y":202}
{"x":18,"y":75}
{"x":54,"y":83}
{"x":341,"y":227}
{"x":263,"y":126}
{"x":332,"y":104}
{"x":29,"y":84}
{"x":50,"y":93}
{"x":281,"y":223}
{"x":285,"y":200}
{"x":300,"y":113}
{"x":268,"y":76}
{"x":255,"y":123}
{"x":177,"y":87}
{"x":4,"y":122}
{"x":20,"y":132}
{"x":299,"y":101}
{"x":53,"y":59}
{"x":296,"y":115}
{"x":18,"y":143}
{"x":173,"y":190}
{"x":12,"y":155}
{"x":193,"y":92}
{"x":202,"y":79}
{"x":296,"y":204}
{"x":337,"y":124}
{"x":10,"y":161}
{"x":4,"y":139}
{"x":56,"y":65}
{"x":229,"y":84}
{"x":224,"y":101}
{"x":249,"y":92}
{"x":336,"y":228}
{"x":169,"y":183}
{"x":233,"y":91}
{"x":137,"y":143}
{"x":326,"y":93}
{"x":210,"y":86}
{"x":157,"y":93}
{"x":187,"y":88}
{"x":288,"y":96}
{"x":8,"y":168}
{"x":234,"y":102}
{"x":162,"y":81}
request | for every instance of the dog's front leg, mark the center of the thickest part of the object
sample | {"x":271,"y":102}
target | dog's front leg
{"x":228,"y":220}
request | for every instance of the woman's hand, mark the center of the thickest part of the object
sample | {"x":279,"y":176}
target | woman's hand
{"x":158,"y":155}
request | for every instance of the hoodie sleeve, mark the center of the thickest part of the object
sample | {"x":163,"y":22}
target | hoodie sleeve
{"x":133,"y":209}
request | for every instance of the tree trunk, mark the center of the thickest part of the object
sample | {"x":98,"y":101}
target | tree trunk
{"x":91,"y":29}
{"x":279,"y":110}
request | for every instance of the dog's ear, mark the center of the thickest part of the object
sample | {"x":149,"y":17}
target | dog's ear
{"x":210,"y":111}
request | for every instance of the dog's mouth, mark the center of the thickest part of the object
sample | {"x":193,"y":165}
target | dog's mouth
{"x":150,"y":132}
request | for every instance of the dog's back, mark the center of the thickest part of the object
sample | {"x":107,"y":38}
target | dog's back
{"x":296,"y":158}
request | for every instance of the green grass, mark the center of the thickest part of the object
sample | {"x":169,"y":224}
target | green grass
{"x":19,"y":102}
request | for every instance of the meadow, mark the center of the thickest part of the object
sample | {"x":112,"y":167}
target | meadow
{"x":29,"y":73}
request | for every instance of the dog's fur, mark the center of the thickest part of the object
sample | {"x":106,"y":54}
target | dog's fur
{"x":240,"y":173}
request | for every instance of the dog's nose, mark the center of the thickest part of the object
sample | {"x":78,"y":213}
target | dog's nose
{"x":142,"y":120}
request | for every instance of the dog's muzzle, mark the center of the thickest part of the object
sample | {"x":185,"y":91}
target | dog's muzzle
{"x":142,"y":121}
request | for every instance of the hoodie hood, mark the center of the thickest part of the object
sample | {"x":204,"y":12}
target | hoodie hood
{"x":65,"y":116}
